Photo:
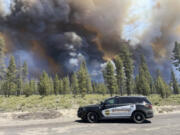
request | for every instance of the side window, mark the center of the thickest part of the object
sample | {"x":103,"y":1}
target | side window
{"x":124,"y":100}
{"x":141,"y":100}
{"x":110,"y":101}
{"x":138,"y":100}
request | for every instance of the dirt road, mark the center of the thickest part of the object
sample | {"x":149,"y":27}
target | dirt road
{"x":168,"y":124}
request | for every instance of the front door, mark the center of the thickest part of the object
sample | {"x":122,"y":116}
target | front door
{"x":107,"y":108}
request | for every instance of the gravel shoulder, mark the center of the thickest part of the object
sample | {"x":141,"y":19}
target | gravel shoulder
{"x":167,"y":124}
{"x":63,"y":115}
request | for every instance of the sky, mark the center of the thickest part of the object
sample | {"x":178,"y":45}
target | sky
{"x":140,"y":11}
{"x":6,"y":5}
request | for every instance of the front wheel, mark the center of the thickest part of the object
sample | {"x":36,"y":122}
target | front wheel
{"x":138,"y":117}
{"x":92,"y":117}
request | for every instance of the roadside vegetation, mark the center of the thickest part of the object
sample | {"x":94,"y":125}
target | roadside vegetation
{"x":39,"y":103}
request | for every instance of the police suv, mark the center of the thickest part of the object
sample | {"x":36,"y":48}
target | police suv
{"x":137,"y":108}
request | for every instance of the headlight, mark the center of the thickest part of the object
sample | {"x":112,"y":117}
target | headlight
{"x":82,"y":109}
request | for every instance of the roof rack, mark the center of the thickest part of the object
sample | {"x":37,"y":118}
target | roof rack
{"x":129,"y":96}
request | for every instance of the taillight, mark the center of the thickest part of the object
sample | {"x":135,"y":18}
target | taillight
{"x":149,"y":106}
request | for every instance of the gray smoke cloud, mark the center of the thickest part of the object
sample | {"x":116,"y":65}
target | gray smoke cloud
{"x":161,"y":34}
{"x":56,"y":30}
{"x":65,"y":32}
{"x":164,"y":27}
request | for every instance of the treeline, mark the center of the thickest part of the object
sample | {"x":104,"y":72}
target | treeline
{"x":118,"y":78}
{"x":15,"y":82}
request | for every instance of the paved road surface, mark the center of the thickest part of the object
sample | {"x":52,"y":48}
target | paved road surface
{"x":168,"y":124}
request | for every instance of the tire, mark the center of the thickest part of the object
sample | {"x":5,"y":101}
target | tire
{"x":92,"y":117}
{"x":138,"y":117}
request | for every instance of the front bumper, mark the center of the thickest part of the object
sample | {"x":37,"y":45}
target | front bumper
{"x":81,"y":113}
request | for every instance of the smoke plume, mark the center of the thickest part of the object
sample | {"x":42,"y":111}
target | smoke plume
{"x":57,"y":35}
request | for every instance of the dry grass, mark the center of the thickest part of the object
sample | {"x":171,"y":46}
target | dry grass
{"x":38,"y":103}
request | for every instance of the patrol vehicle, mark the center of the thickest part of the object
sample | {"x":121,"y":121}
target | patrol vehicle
{"x":137,"y":108}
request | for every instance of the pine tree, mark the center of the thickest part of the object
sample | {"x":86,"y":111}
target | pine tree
{"x":161,"y":86}
{"x":82,"y":77}
{"x":67,"y":88}
{"x":94,"y":87}
{"x":2,"y":57}
{"x":19,"y":86}
{"x":120,"y":74}
{"x":75,"y":84}
{"x":44,"y":84}
{"x":89,"y":85}
{"x":87,"y":78}
{"x":167,"y":90}
{"x":137,"y":91}
{"x":61,"y":87}
{"x":144,"y":83}
{"x":176,"y":56}
{"x":1,"y":87}
{"x":12,"y":88}
{"x":126,"y":56}
{"x":147,"y":74}
{"x":51,"y":86}
{"x":101,"y":88}
{"x":19,"y":80}
{"x":4,"y":88}
{"x":11,"y":73}
{"x":56,"y":85}
{"x":33,"y":87}
{"x":11,"y":77}
{"x":24,"y":71}
{"x":110,"y":78}
{"x":174,"y":83}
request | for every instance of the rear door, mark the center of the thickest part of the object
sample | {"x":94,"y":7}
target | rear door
{"x":125,"y":107}
{"x":121,"y":107}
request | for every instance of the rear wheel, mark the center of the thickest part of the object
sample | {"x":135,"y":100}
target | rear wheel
{"x":138,"y":117}
{"x":92,"y":117}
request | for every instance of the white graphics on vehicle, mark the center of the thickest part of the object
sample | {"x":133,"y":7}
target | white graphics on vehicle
{"x":119,"y":111}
